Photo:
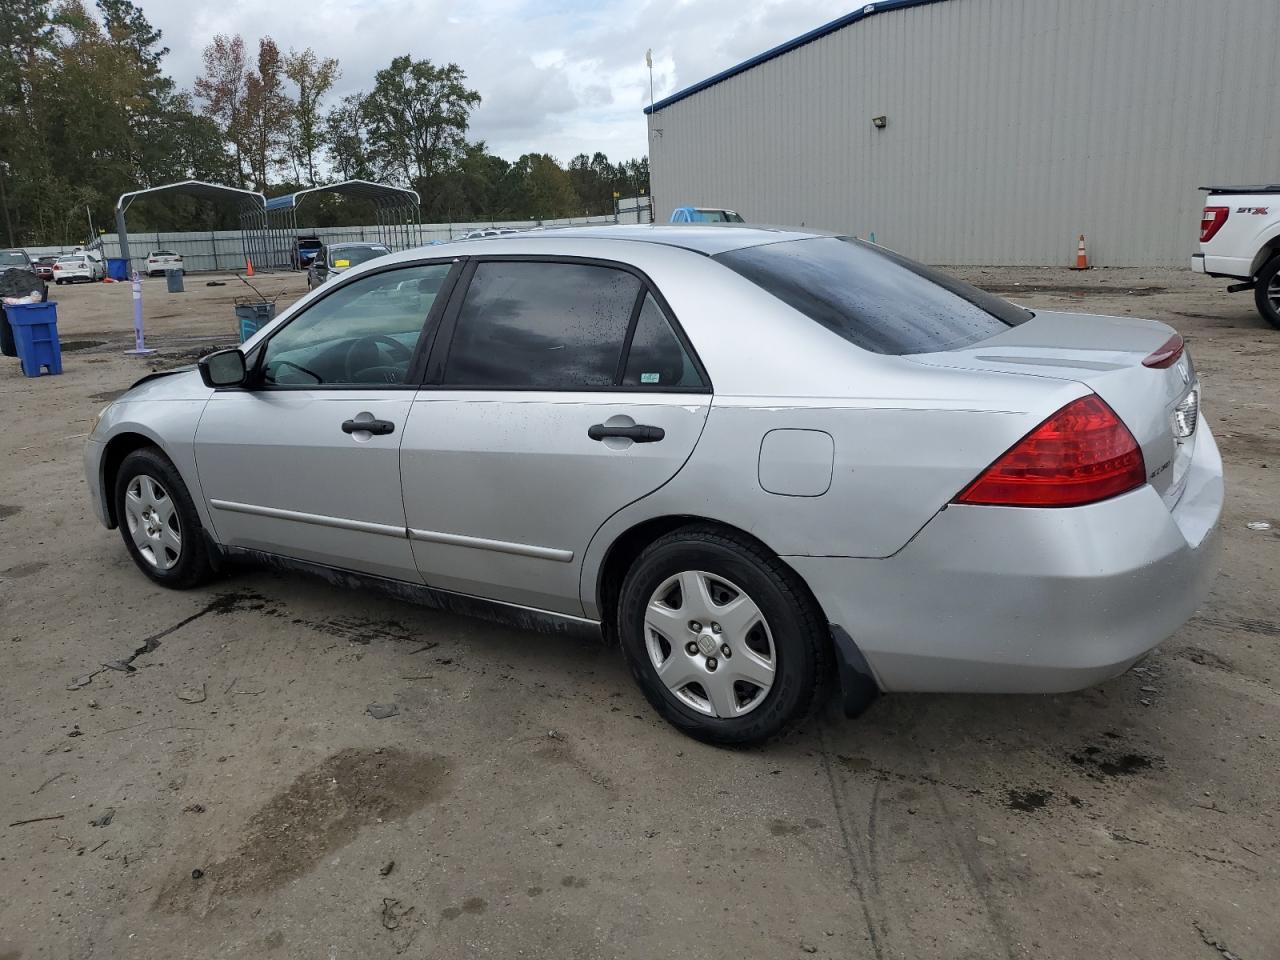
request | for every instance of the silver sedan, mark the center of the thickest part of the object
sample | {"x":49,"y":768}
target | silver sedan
{"x":754,"y":458}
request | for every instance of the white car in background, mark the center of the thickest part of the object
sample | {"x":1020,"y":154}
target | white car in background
{"x":160,"y":261}
{"x":82,"y":265}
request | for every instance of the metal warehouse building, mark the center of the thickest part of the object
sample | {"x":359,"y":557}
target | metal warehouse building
{"x":988,"y":131}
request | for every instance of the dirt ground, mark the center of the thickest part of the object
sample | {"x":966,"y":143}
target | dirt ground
{"x":229,"y":796}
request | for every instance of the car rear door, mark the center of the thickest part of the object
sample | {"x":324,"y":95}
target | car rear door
{"x":559,"y":391}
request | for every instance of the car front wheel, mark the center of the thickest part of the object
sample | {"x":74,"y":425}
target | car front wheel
{"x":159,"y":523}
{"x":723,"y":638}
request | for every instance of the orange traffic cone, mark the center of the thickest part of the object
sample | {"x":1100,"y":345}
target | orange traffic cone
{"x":1082,"y":258}
{"x":248,"y":261}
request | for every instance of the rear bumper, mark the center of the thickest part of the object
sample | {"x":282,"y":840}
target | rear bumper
{"x":1221,"y":266}
{"x":1012,"y":600}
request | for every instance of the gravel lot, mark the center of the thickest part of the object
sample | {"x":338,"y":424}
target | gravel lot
{"x":230,"y":796}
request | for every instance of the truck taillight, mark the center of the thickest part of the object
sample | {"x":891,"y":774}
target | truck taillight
{"x":1081,"y":454}
{"x":1211,"y":222}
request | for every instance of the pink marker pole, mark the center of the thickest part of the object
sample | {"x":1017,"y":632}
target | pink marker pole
{"x":139,"y":340}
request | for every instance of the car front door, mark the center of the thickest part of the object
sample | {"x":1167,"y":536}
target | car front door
{"x":304,"y":462}
{"x":558,"y":392}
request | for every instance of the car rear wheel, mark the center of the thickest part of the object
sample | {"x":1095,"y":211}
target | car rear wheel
{"x":1266,"y":291}
{"x":158,"y":521}
{"x":724,"y":640}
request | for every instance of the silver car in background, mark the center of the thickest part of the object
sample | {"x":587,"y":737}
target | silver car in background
{"x":753,"y":457}
{"x":336,"y":258}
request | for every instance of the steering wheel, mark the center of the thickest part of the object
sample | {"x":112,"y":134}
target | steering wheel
{"x":364,"y":355}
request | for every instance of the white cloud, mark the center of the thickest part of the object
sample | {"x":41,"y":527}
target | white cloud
{"x":558,"y":76}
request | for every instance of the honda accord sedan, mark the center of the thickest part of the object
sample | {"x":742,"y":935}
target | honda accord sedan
{"x":755,"y":458}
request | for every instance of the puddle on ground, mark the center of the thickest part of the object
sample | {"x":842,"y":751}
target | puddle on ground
{"x":322,"y":810}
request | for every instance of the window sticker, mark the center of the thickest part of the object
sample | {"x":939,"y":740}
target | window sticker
{"x":649,"y":378}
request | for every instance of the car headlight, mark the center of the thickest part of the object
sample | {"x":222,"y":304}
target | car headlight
{"x":98,"y":419}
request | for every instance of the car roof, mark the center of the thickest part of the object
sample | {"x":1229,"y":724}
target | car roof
{"x":705,"y":238}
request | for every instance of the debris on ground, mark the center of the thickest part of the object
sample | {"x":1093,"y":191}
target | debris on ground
{"x":194,"y":808}
{"x":121,"y":665}
{"x":1258,"y":525}
{"x":1215,"y":942}
{"x":19,"y":823}
{"x":197,"y":874}
{"x":387,"y":868}
{"x":105,"y":819}
{"x":394,"y":914}
{"x":380,"y":711}
{"x":193,"y":694}
{"x":80,"y":682}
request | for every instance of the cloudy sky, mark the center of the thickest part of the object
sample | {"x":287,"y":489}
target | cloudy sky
{"x":557,"y":76}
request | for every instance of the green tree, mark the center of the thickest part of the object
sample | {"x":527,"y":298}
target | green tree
{"x":346,"y":140}
{"x":222,"y":89}
{"x":314,"y":78}
{"x":416,"y":118}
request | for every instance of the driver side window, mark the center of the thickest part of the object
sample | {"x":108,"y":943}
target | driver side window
{"x":364,"y":333}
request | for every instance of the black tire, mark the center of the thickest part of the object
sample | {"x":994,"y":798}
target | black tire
{"x":1263,"y":293}
{"x":801,"y":642}
{"x":192,"y":566}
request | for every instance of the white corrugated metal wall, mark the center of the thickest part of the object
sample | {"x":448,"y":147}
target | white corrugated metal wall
{"x":1013,"y":126}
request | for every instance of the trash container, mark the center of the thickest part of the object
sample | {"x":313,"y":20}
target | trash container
{"x":7,"y":347}
{"x":117,"y":268}
{"x":35,"y":334}
{"x":174,"y":279}
{"x":253,"y":315}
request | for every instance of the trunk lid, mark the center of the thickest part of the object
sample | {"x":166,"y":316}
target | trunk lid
{"x":1160,"y":406}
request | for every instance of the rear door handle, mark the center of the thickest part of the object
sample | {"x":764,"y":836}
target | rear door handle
{"x":640,"y":433}
{"x":377,"y":427}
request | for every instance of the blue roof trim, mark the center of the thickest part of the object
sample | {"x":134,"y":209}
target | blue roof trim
{"x":870,"y":10}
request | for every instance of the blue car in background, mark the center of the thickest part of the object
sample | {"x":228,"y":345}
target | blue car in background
{"x":704,"y":215}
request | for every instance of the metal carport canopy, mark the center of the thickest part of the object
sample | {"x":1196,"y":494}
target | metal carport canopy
{"x":252,"y":207}
{"x":380,"y":193}
{"x":398,"y":211}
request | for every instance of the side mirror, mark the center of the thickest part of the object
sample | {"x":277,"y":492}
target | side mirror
{"x":226,"y":368}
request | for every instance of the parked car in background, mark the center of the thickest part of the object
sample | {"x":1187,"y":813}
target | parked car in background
{"x":15,"y":258}
{"x":43,"y":267}
{"x":489,"y":232}
{"x":1240,"y":240}
{"x":704,"y":215}
{"x":161,"y":261}
{"x":304,"y":251}
{"x":83,"y":265}
{"x":339,"y":257}
{"x":937,"y":491}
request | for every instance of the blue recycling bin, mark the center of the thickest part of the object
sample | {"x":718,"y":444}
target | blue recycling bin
{"x":118,"y":268}
{"x":35,"y":334}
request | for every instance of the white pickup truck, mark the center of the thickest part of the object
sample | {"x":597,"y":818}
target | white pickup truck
{"x":1240,"y":240}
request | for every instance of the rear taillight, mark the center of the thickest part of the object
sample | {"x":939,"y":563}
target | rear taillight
{"x":1166,"y":355}
{"x":57,"y":266}
{"x":1211,"y":222}
{"x":1081,"y":454}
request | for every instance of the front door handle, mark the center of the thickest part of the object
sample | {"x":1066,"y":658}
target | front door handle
{"x":639,"y":432}
{"x":377,"y":427}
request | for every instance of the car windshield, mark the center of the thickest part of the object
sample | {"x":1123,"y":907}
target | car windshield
{"x":350,"y":256}
{"x":716,"y":216}
{"x":12,"y":258}
{"x":873,"y":297}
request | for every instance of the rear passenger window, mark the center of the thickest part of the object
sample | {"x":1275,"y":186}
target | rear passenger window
{"x":657,"y":358}
{"x":549,"y":326}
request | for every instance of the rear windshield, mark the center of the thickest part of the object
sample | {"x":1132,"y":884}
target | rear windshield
{"x":874,"y":298}
{"x":164,"y":253}
{"x":350,"y":256}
